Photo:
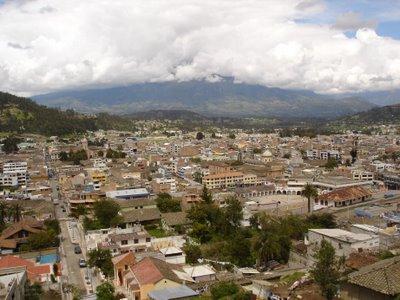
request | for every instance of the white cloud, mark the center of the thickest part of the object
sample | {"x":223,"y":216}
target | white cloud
{"x":50,"y":45}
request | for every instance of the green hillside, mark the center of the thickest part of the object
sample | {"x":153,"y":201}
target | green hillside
{"x":18,"y":114}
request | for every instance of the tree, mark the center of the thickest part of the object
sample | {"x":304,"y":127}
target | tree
{"x":287,"y":155}
{"x":321,"y":220}
{"x":166,"y":203}
{"x":42,"y":240}
{"x":100,"y":153}
{"x":4,"y":210}
{"x":310,"y":192}
{"x":199,"y":136}
{"x":232,"y":136}
{"x":224,"y":289}
{"x":353,"y":154}
{"x":106,"y":212}
{"x":326,"y":271}
{"x":101,"y":258}
{"x":232,"y":216}
{"x":10,"y":144}
{"x":33,"y":292}
{"x":206,"y":195}
{"x":213,"y":135}
{"x":331,"y":163}
{"x":63,"y":156}
{"x":53,"y":224}
{"x":15,"y":211}
{"x":105,"y":291}
{"x":197,"y":177}
{"x":193,"y":253}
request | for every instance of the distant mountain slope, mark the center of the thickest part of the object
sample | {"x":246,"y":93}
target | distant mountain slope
{"x":173,"y":114}
{"x":19,"y":114}
{"x":380,"y":98}
{"x":224,"y":98}
{"x":380,"y":115}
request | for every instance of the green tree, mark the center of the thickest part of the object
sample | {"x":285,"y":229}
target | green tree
{"x":10,"y":144}
{"x":199,"y":136}
{"x":197,"y":177}
{"x":224,"y":289}
{"x":193,"y":253}
{"x":100,"y":153}
{"x":353,"y":154}
{"x":63,"y":156}
{"x":331,"y":163}
{"x":4,"y":212}
{"x":326,"y":271}
{"x":33,"y":291}
{"x":106,"y":212}
{"x":232,"y":136}
{"x":105,"y":291}
{"x":101,"y":258}
{"x":53,"y":224}
{"x":310,"y":192}
{"x":206,"y":195}
{"x":232,"y":216}
{"x":166,"y":203}
{"x":15,"y":212}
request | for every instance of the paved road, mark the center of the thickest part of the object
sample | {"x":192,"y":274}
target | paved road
{"x":72,"y":260}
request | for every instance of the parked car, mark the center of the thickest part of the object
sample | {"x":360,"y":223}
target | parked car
{"x":77,"y":250}
{"x":82,"y":263}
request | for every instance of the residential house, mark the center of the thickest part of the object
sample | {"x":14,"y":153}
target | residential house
{"x":18,"y":233}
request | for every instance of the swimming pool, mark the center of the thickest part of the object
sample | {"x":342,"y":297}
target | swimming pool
{"x":48,"y":259}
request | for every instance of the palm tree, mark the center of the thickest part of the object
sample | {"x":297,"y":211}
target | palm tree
{"x":3,"y":213}
{"x":309,"y":192}
{"x":16,"y":212}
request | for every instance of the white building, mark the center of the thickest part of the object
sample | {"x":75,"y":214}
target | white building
{"x":18,"y":169}
{"x":344,"y":242}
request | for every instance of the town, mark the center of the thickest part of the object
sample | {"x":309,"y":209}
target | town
{"x":165,"y":213}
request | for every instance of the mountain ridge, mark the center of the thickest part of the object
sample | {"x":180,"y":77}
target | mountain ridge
{"x":224,"y":98}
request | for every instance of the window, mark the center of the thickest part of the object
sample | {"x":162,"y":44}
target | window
{"x":148,"y":240}
{"x":124,"y":242}
{"x":136,"y":241}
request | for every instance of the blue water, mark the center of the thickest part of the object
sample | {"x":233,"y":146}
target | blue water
{"x":49,"y":259}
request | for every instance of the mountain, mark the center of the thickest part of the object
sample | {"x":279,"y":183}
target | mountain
{"x":21,"y":115}
{"x":380,"y":98}
{"x":223,"y":98}
{"x":380,"y":115}
{"x":173,"y":114}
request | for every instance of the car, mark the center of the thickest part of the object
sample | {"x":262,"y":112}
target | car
{"x":77,"y":249}
{"x":82,"y":263}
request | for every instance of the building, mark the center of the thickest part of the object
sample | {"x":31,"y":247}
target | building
{"x":128,"y":194}
{"x":223,"y":180}
{"x":18,"y":233}
{"x":362,"y":175}
{"x":378,"y":281}
{"x":17,"y":169}
{"x":173,"y":293}
{"x":164,"y":185}
{"x":345,"y":196}
{"x":12,"y":283}
{"x":200,"y":273}
{"x":344,"y":242}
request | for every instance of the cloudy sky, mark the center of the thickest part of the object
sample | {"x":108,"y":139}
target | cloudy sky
{"x":329,"y":46}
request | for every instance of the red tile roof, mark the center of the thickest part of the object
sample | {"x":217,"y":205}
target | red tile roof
{"x":32,"y":270}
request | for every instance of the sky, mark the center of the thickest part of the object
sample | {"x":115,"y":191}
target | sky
{"x":328,"y":46}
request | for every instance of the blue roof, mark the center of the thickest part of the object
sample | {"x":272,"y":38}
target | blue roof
{"x":178,"y":292}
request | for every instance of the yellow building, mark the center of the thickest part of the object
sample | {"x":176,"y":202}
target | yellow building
{"x":223,"y":180}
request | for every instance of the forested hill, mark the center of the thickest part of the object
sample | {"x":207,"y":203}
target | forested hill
{"x":380,"y":115}
{"x":18,"y":114}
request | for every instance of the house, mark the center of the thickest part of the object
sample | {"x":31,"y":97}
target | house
{"x":173,"y":220}
{"x":18,"y":233}
{"x":121,"y":265}
{"x":200,"y":273}
{"x":145,"y":276}
{"x":345,"y":196}
{"x":344,"y":242}
{"x":179,"y":292}
{"x":35,"y":273}
{"x":142,"y":216}
{"x":173,"y":255}
{"x":128,"y":194}
{"x":378,"y":281}
{"x":12,"y":283}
